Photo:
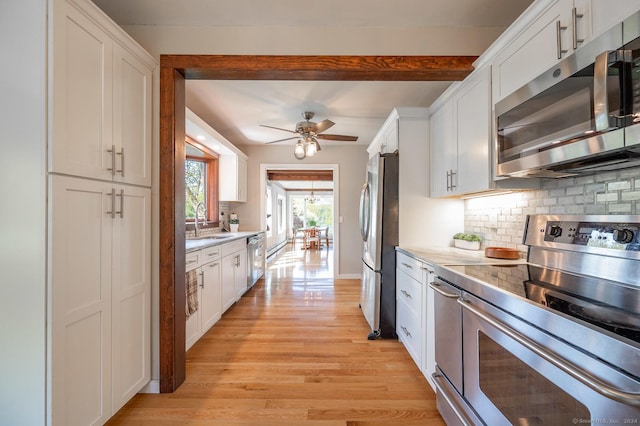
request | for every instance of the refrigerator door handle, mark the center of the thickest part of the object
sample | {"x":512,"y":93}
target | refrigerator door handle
{"x":365,"y":211}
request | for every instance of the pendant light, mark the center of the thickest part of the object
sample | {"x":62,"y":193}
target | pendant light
{"x":312,"y":198}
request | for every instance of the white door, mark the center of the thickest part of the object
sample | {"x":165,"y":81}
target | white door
{"x":211,"y":299}
{"x":132,"y":118}
{"x":241,"y":274}
{"x":82,"y":96}
{"x":80,"y":301}
{"x":131,"y":283}
{"x":228,"y":281}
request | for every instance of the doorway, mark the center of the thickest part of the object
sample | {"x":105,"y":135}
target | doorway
{"x":174,"y":70}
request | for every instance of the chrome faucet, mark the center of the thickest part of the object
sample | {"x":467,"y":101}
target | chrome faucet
{"x":204,"y":216}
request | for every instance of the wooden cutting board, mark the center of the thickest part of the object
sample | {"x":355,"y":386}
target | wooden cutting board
{"x":501,"y":253}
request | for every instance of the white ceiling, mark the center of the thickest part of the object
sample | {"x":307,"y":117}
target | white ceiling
{"x":236,"y":109}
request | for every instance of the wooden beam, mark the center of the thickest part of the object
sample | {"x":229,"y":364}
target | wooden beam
{"x":304,"y":175}
{"x":328,"y":68}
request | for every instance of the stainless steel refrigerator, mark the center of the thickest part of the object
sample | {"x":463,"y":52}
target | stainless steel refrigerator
{"x":379,"y":230}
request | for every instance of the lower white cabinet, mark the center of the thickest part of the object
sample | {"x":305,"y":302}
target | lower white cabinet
{"x":415,"y":316}
{"x":99,"y":300}
{"x":207,"y":265}
{"x":222,"y":279}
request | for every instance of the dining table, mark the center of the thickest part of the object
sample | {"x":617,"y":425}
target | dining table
{"x":311,"y":238}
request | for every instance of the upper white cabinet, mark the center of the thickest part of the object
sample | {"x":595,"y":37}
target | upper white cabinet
{"x":233,"y":178}
{"x":461,"y":139}
{"x":386,"y":140}
{"x":101,"y":99}
{"x":549,"y":32}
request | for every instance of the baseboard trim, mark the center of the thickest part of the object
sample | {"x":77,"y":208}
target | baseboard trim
{"x":152,"y":387}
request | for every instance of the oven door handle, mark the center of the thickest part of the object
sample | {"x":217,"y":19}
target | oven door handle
{"x":630,"y":398}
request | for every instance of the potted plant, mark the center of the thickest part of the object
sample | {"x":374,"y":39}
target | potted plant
{"x":467,"y":241}
{"x":234,"y":222}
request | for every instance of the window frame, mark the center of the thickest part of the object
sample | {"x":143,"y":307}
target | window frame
{"x":211,"y":159}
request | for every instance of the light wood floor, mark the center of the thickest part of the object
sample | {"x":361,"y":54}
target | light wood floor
{"x":293,"y":351}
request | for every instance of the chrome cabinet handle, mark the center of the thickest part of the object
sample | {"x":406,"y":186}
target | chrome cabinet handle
{"x":406,"y":332}
{"x":448,"y":179}
{"x":435,"y":286}
{"x":406,"y":265}
{"x":121,"y":154}
{"x":559,"y":29}
{"x":575,"y":16}
{"x":213,"y":253}
{"x":201,"y":279}
{"x":429,"y":270}
{"x":631,"y":398}
{"x":406,"y":294}
{"x":112,"y":212}
{"x":454,"y":185}
{"x":191,"y":261}
{"x":211,"y":265}
{"x":112,"y":151}
{"x":121,"y":195}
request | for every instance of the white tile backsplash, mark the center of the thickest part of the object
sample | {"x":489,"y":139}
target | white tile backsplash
{"x":499,"y":219}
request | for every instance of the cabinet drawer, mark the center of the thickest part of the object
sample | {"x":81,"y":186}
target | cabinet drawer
{"x":409,"y":265}
{"x":210,"y":254}
{"x":193,"y":260}
{"x":409,"y":331}
{"x":409,"y":290}
{"x":233,"y":247}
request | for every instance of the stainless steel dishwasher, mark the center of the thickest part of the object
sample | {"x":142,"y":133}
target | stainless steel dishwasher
{"x":255,"y":258}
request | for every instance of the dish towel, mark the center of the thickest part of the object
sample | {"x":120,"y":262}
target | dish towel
{"x":191,"y":290}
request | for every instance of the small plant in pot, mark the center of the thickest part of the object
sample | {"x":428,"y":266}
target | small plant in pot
{"x":467,"y":241}
{"x":234,"y":223}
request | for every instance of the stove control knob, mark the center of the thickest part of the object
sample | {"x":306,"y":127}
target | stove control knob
{"x":555,"y":231}
{"x":623,"y":236}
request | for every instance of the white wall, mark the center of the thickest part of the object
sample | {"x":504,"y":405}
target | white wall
{"x":277,"y":237}
{"x":23,"y":211}
{"x":352,"y":162}
{"x":325,"y":40}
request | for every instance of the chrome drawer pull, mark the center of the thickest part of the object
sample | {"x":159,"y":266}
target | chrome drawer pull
{"x":406,"y":265}
{"x":630,"y":398}
{"x":405,"y":330}
{"x":442,"y":292}
{"x":406,"y":294}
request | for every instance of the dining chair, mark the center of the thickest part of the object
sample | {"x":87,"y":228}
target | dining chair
{"x":296,"y":234}
{"x":325,"y":231}
{"x":312,"y":238}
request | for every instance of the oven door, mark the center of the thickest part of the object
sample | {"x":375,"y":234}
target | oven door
{"x":517,"y":374}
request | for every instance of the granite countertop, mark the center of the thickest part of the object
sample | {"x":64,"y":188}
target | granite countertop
{"x":455,"y":256}
{"x":216,"y":239}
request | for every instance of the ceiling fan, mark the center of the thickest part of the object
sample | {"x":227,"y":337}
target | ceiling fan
{"x":307,"y":132}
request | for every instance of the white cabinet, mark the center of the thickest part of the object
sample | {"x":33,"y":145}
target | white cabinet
{"x":415,"y":316}
{"x":233,"y":178}
{"x":386,"y":140}
{"x":553,"y":33}
{"x":207,"y":266}
{"x":100,"y":297}
{"x":234,"y":272}
{"x":101,"y":101}
{"x":99,"y":240}
{"x":461,"y":139}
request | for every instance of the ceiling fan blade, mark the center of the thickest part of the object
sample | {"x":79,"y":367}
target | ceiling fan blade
{"x":279,"y":128}
{"x":337,"y":138}
{"x":322,"y":126}
{"x":285,"y":139}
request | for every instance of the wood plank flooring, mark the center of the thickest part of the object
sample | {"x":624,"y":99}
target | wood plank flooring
{"x":293,"y":351}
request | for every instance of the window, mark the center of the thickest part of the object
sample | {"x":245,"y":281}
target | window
{"x":201,"y":182}
{"x":281,"y":214}
{"x":318,"y":213}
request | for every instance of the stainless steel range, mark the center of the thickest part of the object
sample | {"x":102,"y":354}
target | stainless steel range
{"x":554,"y":341}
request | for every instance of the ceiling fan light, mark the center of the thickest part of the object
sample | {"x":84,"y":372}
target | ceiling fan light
{"x":299,"y":150}
{"x":310,"y":149}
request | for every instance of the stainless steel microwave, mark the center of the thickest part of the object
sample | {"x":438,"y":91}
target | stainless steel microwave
{"x":580,"y":116}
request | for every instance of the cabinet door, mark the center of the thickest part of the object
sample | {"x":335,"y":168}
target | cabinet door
{"x":242,"y":179}
{"x":390,"y":138}
{"x":193,"y":324}
{"x":132,"y":118}
{"x":211,"y":300}
{"x":473,"y":121}
{"x":80,"y":301}
{"x":533,"y":51}
{"x":131,"y":298}
{"x":82,"y":96}
{"x":241,"y":274}
{"x":606,"y":14}
{"x":228,"y":282}
{"x":443,"y":149}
